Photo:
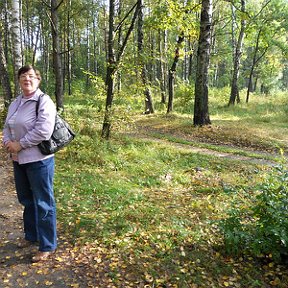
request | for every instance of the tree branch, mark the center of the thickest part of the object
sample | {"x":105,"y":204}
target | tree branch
{"x":122,"y":48}
{"x":126,"y":16}
{"x":60,"y":3}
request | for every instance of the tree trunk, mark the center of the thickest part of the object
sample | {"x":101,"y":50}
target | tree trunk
{"x":44,"y":47}
{"x":69,"y":54}
{"x":16,"y":42}
{"x":34,"y":48}
{"x":237,"y":58}
{"x":5,"y":29}
{"x":118,"y":83}
{"x":233,"y":30}
{"x":111,"y":69}
{"x":147,"y":93}
{"x":252,"y":67}
{"x":172,"y":72}
{"x":57,"y":64}
{"x":150,"y":66}
{"x":113,"y":63}
{"x":254,"y":62}
{"x":88,"y":58}
{"x":201,"y":113}
{"x":163,"y":65}
{"x":95,"y":46}
{"x":4,"y":76}
{"x":160,"y":64}
{"x":192,"y":61}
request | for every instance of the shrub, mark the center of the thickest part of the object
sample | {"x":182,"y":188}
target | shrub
{"x":262,"y":226}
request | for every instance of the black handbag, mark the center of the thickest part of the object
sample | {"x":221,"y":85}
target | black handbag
{"x":62,"y":135}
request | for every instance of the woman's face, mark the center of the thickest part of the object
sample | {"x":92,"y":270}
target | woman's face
{"x":29,"y":82}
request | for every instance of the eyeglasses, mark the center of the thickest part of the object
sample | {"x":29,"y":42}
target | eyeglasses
{"x":31,"y":77}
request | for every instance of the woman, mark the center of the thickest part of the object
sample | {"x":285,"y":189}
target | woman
{"x":33,"y":171}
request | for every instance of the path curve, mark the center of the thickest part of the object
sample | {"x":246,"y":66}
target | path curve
{"x":260,"y":160}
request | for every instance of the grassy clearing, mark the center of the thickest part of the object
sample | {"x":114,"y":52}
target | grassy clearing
{"x":148,"y":208}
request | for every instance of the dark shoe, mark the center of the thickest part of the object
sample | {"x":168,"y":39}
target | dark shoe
{"x":42,"y":256}
{"x":23,"y":243}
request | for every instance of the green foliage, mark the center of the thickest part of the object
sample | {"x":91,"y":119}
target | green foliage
{"x":259,"y":225}
{"x":174,"y":14}
{"x":184,"y":97}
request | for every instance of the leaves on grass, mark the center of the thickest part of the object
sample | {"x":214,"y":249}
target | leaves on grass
{"x":143,"y":248}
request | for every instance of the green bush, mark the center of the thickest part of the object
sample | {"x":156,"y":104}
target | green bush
{"x":184,"y":97}
{"x":262,"y":226}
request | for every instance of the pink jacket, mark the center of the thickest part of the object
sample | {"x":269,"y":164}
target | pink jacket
{"x":30,"y":130}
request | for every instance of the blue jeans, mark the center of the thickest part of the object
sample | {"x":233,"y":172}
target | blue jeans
{"x":34,"y":186}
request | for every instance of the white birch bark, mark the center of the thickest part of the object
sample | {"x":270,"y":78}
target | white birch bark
{"x":16,"y":41}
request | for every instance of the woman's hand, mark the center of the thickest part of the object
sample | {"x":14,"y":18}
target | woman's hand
{"x":13,"y":147}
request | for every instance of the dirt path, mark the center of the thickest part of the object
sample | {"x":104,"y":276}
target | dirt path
{"x":16,"y":269}
{"x":260,"y":160}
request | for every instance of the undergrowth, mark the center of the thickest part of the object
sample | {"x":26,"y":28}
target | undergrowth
{"x":258,"y":224}
{"x":156,"y":205}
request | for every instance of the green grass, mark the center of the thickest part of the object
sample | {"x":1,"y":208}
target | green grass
{"x":152,"y":204}
{"x":145,"y":210}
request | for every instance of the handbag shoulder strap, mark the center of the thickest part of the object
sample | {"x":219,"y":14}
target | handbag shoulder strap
{"x":37,"y":103}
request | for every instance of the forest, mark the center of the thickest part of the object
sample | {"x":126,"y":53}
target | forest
{"x":177,"y":176}
{"x":80,"y":45}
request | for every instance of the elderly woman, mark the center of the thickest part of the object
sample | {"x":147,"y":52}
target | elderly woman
{"x":24,"y":129}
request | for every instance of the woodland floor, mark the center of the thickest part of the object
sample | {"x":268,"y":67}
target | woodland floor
{"x":16,"y":269}
{"x":70,"y":266}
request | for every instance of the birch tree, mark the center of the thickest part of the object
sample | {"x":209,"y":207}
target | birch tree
{"x":4,"y":76}
{"x":16,"y":42}
{"x":161,"y":75}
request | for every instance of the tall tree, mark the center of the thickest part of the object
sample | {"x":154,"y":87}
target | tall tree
{"x":69,"y":54}
{"x":111,"y":71}
{"x":172,"y":74}
{"x":16,"y":41}
{"x":57,"y":63}
{"x":201,"y":111}
{"x":114,"y":60}
{"x":237,"y":57}
{"x":4,"y":76}
{"x":255,"y":60}
{"x":161,"y":75}
{"x":268,"y":31}
{"x":147,"y":92}
{"x":183,"y":15}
